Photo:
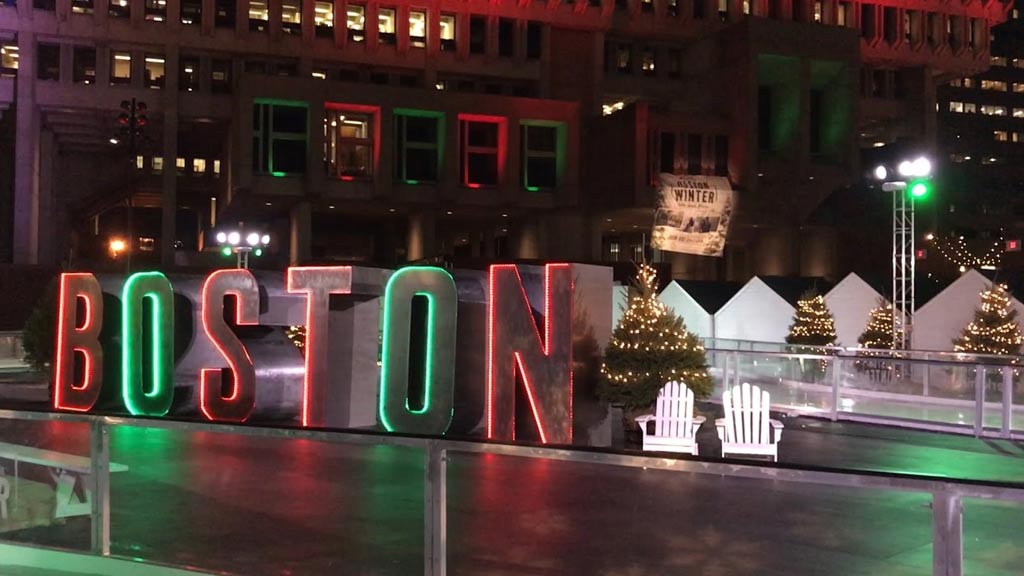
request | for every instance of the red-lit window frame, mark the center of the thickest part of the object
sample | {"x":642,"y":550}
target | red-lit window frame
{"x":374,"y":112}
{"x":501,"y":150}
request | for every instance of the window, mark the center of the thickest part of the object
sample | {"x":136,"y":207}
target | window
{"x":667,"y":153}
{"x":120,"y":68}
{"x":647,"y":61}
{"x":479,"y":146}
{"x":844,"y":14}
{"x":191,"y":12}
{"x":957,"y":83}
{"x":698,"y":10}
{"x":1018,"y":112}
{"x":998,"y":85}
{"x":957,"y":107}
{"x":417,"y":148}
{"x":386,"y":25}
{"x":448,"y":32}
{"x":908,"y":29}
{"x":990,"y":110}
{"x":477,"y":35}
{"x":48,"y":67}
{"x":81,"y":6}
{"x":969,"y":83}
{"x":83,"y":65}
{"x":647,"y":5}
{"x":817,"y":11}
{"x":220,"y":76}
{"x":721,"y":155}
{"x":198,"y":166}
{"x":9,"y":59}
{"x":1018,"y":137}
{"x":224,"y":13}
{"x":291,"y":17}
{"x":279,"y":138}
{"x":259,"y":16}
{"x":319,"y":74}
{"x":216,"y":168}
{"x":323,"y":19}
{"x":622,"y":59}
{"x":179,"y":165}
{"x":154,"y":73}
{"x":156,"y":10}
{"x":534,"y":40}
{"x":1018,"y":62}
{"x":969,"y":107}
{"x":188,"y":76}
{"x":540,"y":155}
{"x":673,"y":7}
{"x":1000,"y":135}
{"x":355,"y":16}
{"x":348,"y":143}
{"x":49,"y":5}
{"x":997,"y":60}
{"x":118,"y":9}
{"x":158,"y":164}
{"x":694,"y":154}
{"x":418,"y":29}
{"x":506,"y":37}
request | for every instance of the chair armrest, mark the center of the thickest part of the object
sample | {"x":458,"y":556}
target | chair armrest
{"x":642,"y":421}
{"x":777,"y":429}
{"x":720,"y":425}
{"x":697,"y":422}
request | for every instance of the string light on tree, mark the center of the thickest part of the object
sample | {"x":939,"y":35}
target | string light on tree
{"x":877,"y":334}
{"x":813,"y":324}
{"x":649,"y":347}
{"x":994,"y":329}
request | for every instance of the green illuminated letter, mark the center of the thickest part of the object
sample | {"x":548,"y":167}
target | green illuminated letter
{"x":154,"y":399}
{"x":439,"y":380}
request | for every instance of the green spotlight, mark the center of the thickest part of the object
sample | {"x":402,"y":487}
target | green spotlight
{"x":226,"y":251}
{"x":919,"y":189}
{"x":258,"y":252}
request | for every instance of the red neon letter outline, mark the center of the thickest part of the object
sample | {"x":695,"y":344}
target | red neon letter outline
{"x":317,"y":283}
{"x":239,"y":405}
{"x":85,"y":339}
{"x":515,"y":346}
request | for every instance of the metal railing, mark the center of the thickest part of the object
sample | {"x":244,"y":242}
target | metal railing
{"x":922,"y":385}
{"x":946,"y":495}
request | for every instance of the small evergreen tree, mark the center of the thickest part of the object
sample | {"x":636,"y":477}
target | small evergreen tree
{"x":650,"y":347}
{"x":38,"y":337}
{"x":813,"y":324}
{"x":995,"y":329}
{"x":877,"y":334}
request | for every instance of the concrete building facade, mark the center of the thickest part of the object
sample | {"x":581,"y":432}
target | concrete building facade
{"x":386,"y":132}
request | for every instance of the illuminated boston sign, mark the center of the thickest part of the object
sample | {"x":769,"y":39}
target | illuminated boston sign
{"x":522,"y":359}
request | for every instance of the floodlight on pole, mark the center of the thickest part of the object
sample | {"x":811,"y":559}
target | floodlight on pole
{"x":231,"y":242}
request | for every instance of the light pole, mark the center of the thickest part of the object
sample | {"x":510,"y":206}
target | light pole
{"x":132,"y":119}
{"x":904,"y":194}
{"x":242,"y":244}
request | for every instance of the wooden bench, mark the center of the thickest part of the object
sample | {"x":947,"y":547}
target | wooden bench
{"x":68,"y":472}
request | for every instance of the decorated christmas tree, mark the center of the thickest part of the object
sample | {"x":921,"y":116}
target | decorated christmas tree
{"x":813,"y":324}
{"x":995,"y":329}
{"x":877,"y":334}
{"x":650,"y":347}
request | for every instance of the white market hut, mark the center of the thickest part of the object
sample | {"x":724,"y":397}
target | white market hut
{"x":763,"y":309}
{"x":696,"y":302}
{"x":851,"y":302}
{"x":620,"y":299}
{"x":943,"y":317}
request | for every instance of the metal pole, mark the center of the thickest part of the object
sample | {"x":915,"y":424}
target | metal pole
{"x":979,"y":400}
{"x":1007,"y":401}
{"x":99,"y":462}
{"x":947,"y":534}
{"x":436,"y":512}
{"x":835,"y":388}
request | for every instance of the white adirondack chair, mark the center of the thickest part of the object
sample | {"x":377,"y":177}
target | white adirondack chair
{"x":675,"y":427}
{"x":5,"y":491}
{"x":747,"y":428}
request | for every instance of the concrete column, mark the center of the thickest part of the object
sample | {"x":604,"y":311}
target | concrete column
{"x":526,"y":240}
{"x":208,"y":17}
{"x":26,"y":156}
{"x":169,"y":193}
{"x":47,"y":208}
{"x":301,"y":233}
{"x":421,"y":237}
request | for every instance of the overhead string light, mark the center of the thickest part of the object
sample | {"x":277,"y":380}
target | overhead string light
{"x":956,"y":251}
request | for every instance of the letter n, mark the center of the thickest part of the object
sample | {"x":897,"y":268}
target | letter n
{"x":238,"y":405}
{"x":78,"y":336}
{"x":515,"y":346}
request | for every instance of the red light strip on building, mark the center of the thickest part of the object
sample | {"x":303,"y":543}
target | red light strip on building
{"x":246,"y":294}
{"x":85,"y":339}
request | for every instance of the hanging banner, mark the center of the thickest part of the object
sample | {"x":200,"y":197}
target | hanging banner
{"x":693,"y":214}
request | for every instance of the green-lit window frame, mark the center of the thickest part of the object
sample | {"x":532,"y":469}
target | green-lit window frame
{"x":402,"y":143}
{"x":558,"y":154}
{"x":268,"y":166}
